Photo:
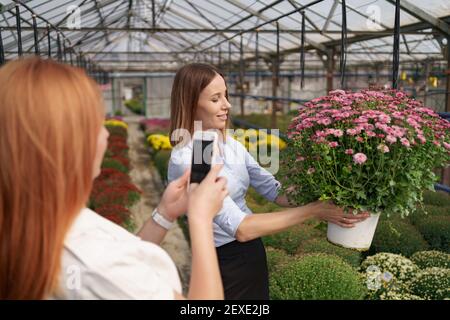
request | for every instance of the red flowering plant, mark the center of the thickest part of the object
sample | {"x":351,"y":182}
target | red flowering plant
{"x":105,"y":180}
{"x":117,"y":139}
{"x":117,"y":131}
{"x":112,"y":176}
{"x":114,"y":212}
{"x":124,"y":161}
{"x":116,"y":156}
{"x":125,"y":194}
{"x":155,"y":125}
{"x":111,"y":163}
{"x":371,"y":150}
{"x":119,"y":148}
{"x":113,"y":192}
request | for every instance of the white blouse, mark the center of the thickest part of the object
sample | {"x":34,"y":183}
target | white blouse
{"x":241,"y":171}
{"x":101,"y":260}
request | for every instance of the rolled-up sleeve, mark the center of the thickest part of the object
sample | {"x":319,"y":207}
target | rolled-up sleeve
{"x":261,"y":179}
{"x":229,"y":217}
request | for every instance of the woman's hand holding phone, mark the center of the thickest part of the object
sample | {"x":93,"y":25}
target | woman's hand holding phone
{"x":206,"y":198}
{"x":174,"y":201}
{"x":204,"y":154}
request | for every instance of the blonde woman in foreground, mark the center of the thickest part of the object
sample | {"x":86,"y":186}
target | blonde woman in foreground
{"x":52,"y":142}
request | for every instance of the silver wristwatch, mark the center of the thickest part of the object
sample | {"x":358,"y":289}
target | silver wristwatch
{"x":159,"y":219}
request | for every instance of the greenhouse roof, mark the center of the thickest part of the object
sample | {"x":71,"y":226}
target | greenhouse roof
{"x":160,"y":35}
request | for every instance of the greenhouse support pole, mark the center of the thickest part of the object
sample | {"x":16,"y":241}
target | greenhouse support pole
{"x":19,"y":31}
{"x":2,"y":53}
{"x":64,"y":53}
{"x":229,"y":60}
{"x":396,"y":52}
{"x":257,"y":58}
{"x":35,"y":33}
{"x":427,"y":74}
{"x":153,"y":16}
{"x":446,"y":171}
{"x":113,"y":93}
{"x":58,"y":41}
{"x":447,"y":91}
{"x":343,"y":58}
{"x":145,"y":97}
{"x":274,"y":92}
{"x":241,"y":76}
{"x":302,"y":52}
{"x":290,"y":79}
{"x":48,"y":42}
{"x":71,"y":58}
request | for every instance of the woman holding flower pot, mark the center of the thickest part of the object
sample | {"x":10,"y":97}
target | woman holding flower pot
{"x":199,"y":94}
{"x":52,"y":141}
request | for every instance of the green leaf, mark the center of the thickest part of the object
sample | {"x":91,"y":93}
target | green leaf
{"x":324,"y":197}
{"x":361,"y":195}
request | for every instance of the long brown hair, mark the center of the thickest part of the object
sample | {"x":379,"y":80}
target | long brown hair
{"x":51,"y":117}
{"x":189,"y":82}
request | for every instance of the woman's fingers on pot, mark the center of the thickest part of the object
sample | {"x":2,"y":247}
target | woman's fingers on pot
{"x":359,"y":216}
{"x":346,"y":225}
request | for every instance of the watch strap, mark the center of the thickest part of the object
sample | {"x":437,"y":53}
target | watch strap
{"x":159,"y":219}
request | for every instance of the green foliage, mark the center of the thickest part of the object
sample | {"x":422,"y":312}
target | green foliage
{"x":399,"y":266}
{"x":161,"y":162}
{"x":386,"y":275}
{"x":317,"y":277}
{"x":133,"y":198}
{"x":276,"y":259}
{"x":129,"y":224}
{"x":430,"y":259}
{"x":395,"y":295}
{"x":114,"y":164}
{"x":135,"y":105}
{"x":397,"y":237}
{"x":321,"y":245}
{"x":429,"y":211}
{"x":291,"y":239}
{"x":121,"y":195}
{"x":265,"y":120}
{"x":432,"y":283}
{"x":436,"y":231}
{"x":117,"y":131}
{"x":437,"y":198}
{"x":258,"y":204}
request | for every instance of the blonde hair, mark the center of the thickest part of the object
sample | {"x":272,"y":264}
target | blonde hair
{"x":189,"y":82}
{"x":51,"y":117}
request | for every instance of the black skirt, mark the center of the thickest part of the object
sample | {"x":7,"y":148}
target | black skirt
{"x":243,"y":267}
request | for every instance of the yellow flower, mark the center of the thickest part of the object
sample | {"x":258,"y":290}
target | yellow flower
{"x":274,"y":140}
{"x":159,"y":141}
{"x":252,"y":138}
{"x":116,"y":123}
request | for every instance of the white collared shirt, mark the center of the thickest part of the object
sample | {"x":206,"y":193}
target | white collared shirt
{"x":241,"y":171}
{"x":102,"y":260}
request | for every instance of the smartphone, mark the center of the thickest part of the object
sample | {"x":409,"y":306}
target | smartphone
{"x":204,"y":153}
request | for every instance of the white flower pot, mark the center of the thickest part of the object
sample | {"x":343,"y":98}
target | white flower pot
{"x":359,"y":237}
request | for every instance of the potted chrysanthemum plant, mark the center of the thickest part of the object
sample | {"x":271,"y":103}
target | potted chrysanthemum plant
{"x":369,"y":151}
